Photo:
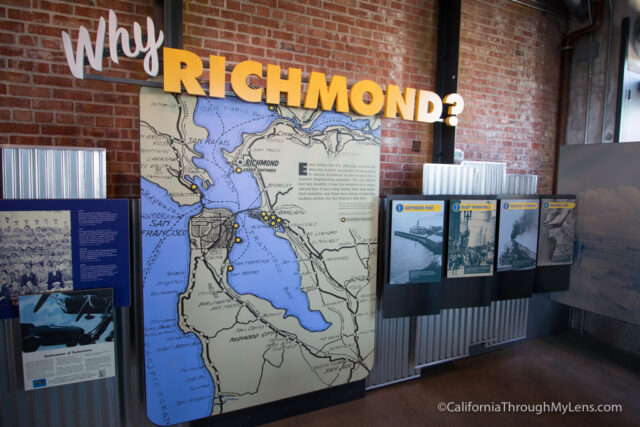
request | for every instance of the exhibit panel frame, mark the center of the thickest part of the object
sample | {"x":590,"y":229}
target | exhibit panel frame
{"x":267,"y":230}
{"x":58,"y":173}
{"x":500,"y":322}
{"x":515,"y":283}
{"x":408,"y":299}
{"x":555,"y":276}
{"x":471,"y":240}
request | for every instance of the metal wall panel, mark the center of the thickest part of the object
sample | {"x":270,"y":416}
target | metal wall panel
{"x":53,"y":173}
{"x":393,"y":349}
{"x":448,"y":179}
{"x":490,"y":176}
{"x":521,"y":184}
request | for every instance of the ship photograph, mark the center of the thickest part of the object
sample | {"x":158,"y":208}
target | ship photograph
{"x":416,"y":241}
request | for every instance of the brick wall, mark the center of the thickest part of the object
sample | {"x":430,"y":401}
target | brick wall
{"x":509,"y":75}
{"x":43,"y":104}
{"x":510,"y":105}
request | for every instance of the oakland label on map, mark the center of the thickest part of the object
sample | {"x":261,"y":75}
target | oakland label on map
{"x":259,"y":239}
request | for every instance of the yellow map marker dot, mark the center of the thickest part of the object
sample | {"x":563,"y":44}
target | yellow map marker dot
{"x":238,"y":240}
{"x":343,"y":219}
{"x":230,"y":268}
{"x":279,"y":220}
{"x":236,"y":225}
{"x":193,"y":186}
{"x":273,"y":217}
{"x":238,"y":170}
{"x":273,"y":223}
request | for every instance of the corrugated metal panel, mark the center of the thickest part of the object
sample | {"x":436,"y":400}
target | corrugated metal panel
{"x":53,"y":173}
{"x":490,"y":176}
{"x":393,"y":361}
{"x":445,"y":336}
{"x":448,"y":179}
{"x":510,"y":321}
{"x":49,"y":173}
{"x":521,"y":184}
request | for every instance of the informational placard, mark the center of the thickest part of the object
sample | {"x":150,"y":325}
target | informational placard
{"x":259,"y":246}
{"x":416,"y":241}
{"x":56,"y":245}
{"x":472,"y":226}
{"x":518,"y":234}
{"x":557,"y":231}
{"x":67,"y":337}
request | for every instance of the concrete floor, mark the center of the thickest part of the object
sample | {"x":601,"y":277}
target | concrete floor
{"x":566,"y":368}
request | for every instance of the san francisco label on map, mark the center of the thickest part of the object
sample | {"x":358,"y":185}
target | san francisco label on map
{"x":259,"y":235}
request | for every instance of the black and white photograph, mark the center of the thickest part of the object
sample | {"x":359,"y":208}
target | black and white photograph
{"x":35,"y":252}
{"x":416,"y":241}
{"x":62,"y":335}
{"x":518,"y":234}
{"x":557,"y":232}
{"x":472,"y":226}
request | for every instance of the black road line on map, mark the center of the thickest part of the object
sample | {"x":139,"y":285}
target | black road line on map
{"x":354,"y":300}
{"x":337,"y":285}
{"x":248,"y":305}
{"x":280,"y":193}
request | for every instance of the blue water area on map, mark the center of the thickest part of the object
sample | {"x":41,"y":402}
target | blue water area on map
{"x":226,"y":120}
{"x":331,"y":118}
{"x":279,"y":278}
{"x":171,"y":356}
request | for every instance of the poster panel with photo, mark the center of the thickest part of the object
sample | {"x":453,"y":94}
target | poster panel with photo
{"x":557,"y":232}
{"x":67,"y":337}
{"x":518,"y":234}
{"x":416,"y":241}
{"x":58,"y":245}
{"x":472,"y":225}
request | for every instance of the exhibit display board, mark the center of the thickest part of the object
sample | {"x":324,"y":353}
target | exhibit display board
{"x":58,"y":245}
{"x":472,"y":226}
{"x":67,"y":337}
{"x":259,"y":239}
{"x":518,"y":234}
{"x":557,"y":231}
{"x":416,"y":241}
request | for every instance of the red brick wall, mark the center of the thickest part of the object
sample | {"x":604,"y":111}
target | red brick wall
{"x":509,"y":75}
{"x":43,"y":104}
{"x":388,"y":41}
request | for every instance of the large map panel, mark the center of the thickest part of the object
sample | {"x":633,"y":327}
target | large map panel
{"x":259,"y":235}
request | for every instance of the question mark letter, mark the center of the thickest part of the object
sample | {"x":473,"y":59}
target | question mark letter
{"x":456,"y":106}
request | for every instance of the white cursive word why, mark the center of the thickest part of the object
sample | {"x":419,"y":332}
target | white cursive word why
{"x":94,"y":56}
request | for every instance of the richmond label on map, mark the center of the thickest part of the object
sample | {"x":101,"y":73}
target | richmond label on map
{"x":259,"y":235}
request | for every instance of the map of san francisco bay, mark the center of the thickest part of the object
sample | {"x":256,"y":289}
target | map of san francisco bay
{"x":259,"y":245}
